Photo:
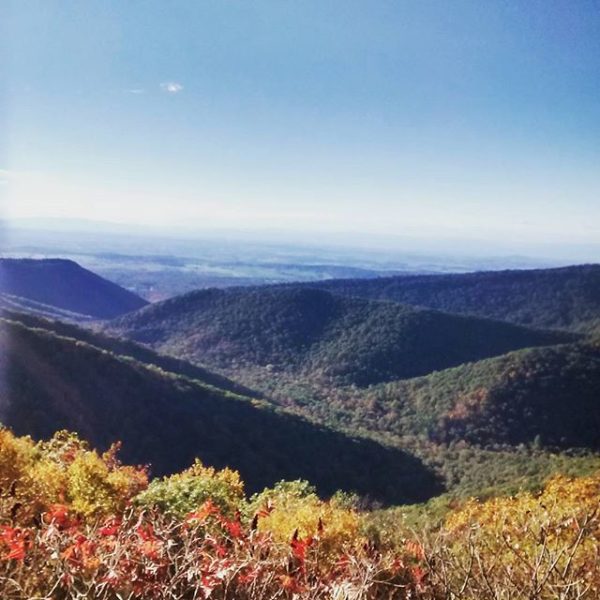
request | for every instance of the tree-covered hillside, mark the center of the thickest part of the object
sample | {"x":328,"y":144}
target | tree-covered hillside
{"x":543,"y":396}
{"x":140,"y":396}
{"x":51,"y":382}
{"x":64,"y":285}
{"x":316,"y":334}
{"x":564,"y":298}
{"x":485,"y":426}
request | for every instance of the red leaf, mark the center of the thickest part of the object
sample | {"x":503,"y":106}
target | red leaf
{"x":299,"y":546}
{"x":234,"y":528}
{"x":206,"y":510}
{"x":58,"y":515}
{"x":110,"y":528}
{"x":16,"y":540}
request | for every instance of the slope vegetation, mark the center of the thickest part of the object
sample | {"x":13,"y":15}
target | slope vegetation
{"x":316,"y":334}
{"x":50,"y":381}
{"x":64,"y":285}
{"x":546,"y":397}
{"x":564,"y":298}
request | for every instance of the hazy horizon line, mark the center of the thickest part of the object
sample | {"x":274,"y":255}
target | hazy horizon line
{"x":408,"y":243}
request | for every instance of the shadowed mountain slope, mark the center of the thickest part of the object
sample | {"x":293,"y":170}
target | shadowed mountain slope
{"x":10,"y":303}
{"x":63,"y":285}
{"x":50,"y":382}
{"x":126,"y":348}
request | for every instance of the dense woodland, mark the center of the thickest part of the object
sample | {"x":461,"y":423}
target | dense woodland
{"x":479,"y":417}
{"x":495,"y":423}
{"x":393,"y":404}
{"x":547,"y":397}
{"x":564,"y":298}
{"x":318,"y":335}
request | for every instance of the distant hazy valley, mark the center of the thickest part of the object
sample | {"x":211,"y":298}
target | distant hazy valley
{"x":157,"y":267}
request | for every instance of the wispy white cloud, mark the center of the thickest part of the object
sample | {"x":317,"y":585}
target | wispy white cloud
{"x":171,"y":87}
{"x":136,"y":91}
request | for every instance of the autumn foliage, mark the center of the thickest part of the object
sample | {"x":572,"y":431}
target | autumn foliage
{"x":75,"y":524}
{"x":543,"y":546}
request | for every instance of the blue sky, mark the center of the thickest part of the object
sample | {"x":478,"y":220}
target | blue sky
{"x":434,"y":119}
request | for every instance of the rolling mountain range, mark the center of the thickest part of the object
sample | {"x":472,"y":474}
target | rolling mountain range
{"x":439,"y":400}
{"x":420,"y":379}
{"x":62,"y":289}
{"x":563,"y":298}
{"x":314,"y":333}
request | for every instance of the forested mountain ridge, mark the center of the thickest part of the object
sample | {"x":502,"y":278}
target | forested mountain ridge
{"x":65,"y":286}
{"x":51,"y":382}
{"x":487,"y":427}
{"x":314,"y":333}
{"x":543,"y":397}
{"x":459,"y":399}
{"x":561,"y":298}
{"x":486,"y":416}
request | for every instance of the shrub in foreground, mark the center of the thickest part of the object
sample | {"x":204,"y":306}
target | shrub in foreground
{"x":98,"y":531}
{"x":75,"y":524}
